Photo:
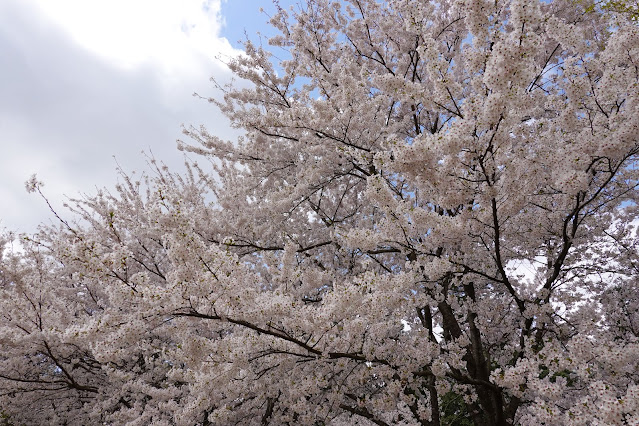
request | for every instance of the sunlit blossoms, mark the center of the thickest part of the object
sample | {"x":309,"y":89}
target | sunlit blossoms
{"x":430,"y":220}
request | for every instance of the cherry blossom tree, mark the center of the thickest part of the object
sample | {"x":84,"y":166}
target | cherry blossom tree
{"x":431,"y":219}
{"x":630,"y":8}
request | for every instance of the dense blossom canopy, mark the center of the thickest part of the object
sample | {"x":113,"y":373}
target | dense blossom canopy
{"x":430,"y":220}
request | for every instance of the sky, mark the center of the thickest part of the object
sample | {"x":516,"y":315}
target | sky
{"x":87,"y":85}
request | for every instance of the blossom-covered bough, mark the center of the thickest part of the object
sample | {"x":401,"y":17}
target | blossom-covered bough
{"x":430,"y":220}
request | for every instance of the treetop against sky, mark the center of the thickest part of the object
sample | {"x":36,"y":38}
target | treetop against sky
{"x":83,"y":82}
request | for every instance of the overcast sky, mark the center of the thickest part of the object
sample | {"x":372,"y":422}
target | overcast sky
{"x":84,"y":81}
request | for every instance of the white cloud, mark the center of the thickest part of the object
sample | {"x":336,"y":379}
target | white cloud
{"x":83,"y":81}
{"x":173,"y":35}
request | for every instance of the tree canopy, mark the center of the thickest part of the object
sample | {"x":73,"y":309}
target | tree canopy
{"x":429,"y":220}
